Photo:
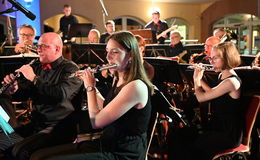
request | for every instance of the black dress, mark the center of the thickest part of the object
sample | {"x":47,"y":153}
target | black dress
{"x":224,"y":131}
{"x":124,"y":139}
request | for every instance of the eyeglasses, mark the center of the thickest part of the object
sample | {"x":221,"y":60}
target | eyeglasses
{"x":26,"y":35}
{"x":213,"y":59}
{"x":42,"y":46}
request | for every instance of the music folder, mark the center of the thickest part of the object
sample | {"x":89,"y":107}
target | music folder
{"x":4,"y":118}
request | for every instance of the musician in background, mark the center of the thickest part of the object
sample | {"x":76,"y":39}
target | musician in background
{"x":176,"y":47}
{"x":110,"y":28}
{"x":209,"y":43}
{"x":51,"y":91}
{"x":26,"y":34}
{"x":66,"y":21}
{"x":93,"y":36}
{"x":224,"y":129}
{"x":158,"y":26}
{"x":220,"y":33}
{"x":149,"y":69}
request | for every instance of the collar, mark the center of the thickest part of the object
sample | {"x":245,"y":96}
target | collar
{"x":54,"y":64}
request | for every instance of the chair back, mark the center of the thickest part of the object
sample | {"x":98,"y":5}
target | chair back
{"x":252,"y":106}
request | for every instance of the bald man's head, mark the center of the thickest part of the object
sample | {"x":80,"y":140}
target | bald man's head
{"x":50,"y":47}
{"x":210,"y":42}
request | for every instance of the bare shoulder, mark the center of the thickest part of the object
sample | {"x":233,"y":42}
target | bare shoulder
{"x":234,"y":82}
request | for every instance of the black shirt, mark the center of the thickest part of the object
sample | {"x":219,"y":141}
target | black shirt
{"x":157,"y":29}
{"x":103,"y":37}
{"x":176,"y":50}
{"x":52,"y":93}
{"x":65,"y":24}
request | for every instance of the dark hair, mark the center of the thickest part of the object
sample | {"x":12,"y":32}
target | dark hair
{"x":110,"y":22}
{"x":136,"y":69}
{"x":66,"y":6}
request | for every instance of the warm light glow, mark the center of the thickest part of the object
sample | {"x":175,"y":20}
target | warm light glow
{"x":152,"y":9}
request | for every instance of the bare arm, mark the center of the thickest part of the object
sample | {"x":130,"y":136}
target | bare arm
{"x":230,"y":85}
{"x":137,"y":96}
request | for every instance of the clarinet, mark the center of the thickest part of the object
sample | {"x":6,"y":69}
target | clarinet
{"x":16,"y":76}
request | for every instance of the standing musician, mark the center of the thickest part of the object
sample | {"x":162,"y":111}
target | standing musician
{"x":66,"y":21}
{"x":46,"y":83}
{"x":224,"y":129}
{"x":158,"y":27}
{"x":26,"y":34}
{"x":124,"y":114}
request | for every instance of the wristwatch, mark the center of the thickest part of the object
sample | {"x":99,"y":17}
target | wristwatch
{"x":89,"y":88}
{"x":35,"y":80}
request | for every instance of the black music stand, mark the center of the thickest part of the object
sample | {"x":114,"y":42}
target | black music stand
{"x":80,"y":30}
{"x":165,"y":70}
{"x":89,"y":53}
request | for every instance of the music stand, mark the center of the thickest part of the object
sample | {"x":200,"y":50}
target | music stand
{"x":89,"y":53}
{"x":165,"y":70}
{"x":80,"y":30}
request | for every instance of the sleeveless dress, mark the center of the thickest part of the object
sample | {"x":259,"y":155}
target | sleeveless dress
{"x":224,"y":130}
{"x":124,"y":139}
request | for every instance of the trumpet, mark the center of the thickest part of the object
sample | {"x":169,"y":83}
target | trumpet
{"x":94,"y":70}
{"x":206,"y":67}
{"x":32,"y":48}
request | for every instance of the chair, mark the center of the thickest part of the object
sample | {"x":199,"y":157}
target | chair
{"x":252,"y":104}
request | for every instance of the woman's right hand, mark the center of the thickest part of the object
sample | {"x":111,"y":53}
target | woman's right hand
{"x":88,"y":78}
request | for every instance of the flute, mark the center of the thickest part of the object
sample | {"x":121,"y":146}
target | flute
{"x":94,"y":70}
{"x":16,"y":76}
{"x":206,"y":67}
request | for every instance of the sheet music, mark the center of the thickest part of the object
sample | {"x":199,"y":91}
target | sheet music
{"x":24,"y":55}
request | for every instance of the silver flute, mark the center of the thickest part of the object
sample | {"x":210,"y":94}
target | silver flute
{"x":206,"y":67}
{"x":94,"y":70}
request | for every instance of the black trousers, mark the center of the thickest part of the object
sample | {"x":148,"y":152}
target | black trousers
{"x":33,"y":140}
{"x":67,"y":149}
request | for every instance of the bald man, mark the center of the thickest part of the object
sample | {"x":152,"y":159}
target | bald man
{"x":93,"y":36}
{"x":209,"y":43}
{"x":46,"y":82}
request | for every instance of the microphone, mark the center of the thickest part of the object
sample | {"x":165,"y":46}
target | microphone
{"x":18,"y":6}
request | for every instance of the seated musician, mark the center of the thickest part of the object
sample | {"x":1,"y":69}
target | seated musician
{"x":224,"y":129}
{"x":26,"y":34}
{"x":177,"y":48}
{"x":124,"y":114}
{"x":147,"y":66}
{"x":51,"y":91}
{"x":93,"y":36}
{"x":200,"y":58}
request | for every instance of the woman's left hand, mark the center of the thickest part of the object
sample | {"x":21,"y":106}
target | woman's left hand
{"x":198,"y":72}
